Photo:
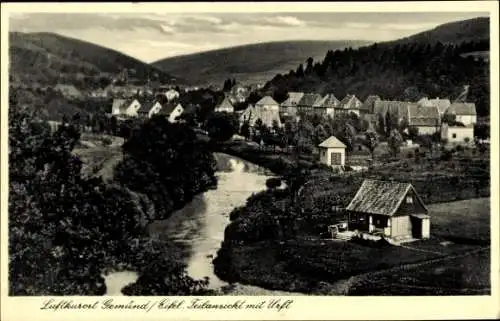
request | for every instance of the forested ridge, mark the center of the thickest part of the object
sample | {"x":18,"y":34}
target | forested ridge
{"x":407,"y":71}
{"x":48,"y":58}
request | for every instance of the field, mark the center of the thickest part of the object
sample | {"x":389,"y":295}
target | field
{"x":468,"y":219}
{"x":465,"y":275}
{"x":457,"y":252}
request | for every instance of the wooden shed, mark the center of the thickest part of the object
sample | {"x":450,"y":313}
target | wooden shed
{"x":390,"y":209}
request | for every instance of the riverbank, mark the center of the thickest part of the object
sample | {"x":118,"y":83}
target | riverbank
{"x":276,"y":161}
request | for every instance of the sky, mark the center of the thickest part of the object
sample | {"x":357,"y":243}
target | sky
{"x":153,"y":36}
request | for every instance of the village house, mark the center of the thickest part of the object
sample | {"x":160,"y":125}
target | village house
{"x":172,"y":111}
{"x":305,"y":104}
{"x":68,"y":91}
{"x":397,"y":109}
{"x":171,"y":94}
{"x":350,"y":104}
{"x":368,"y":105}
{"x":125,"y":107}
{"x":326,"y":106}
{"x":192,"y":88}
{"x":465,"y":113}
{"x":238,"y":94}
{"x":266,"y":109}
{"x":120,"y":91}
{"x":267,"y":103}
{"x":98,"y":93}
{"x":441,"y":104}
{"x":389,"y":209}
{"x":457,"y":134}
{"x":332,"y":152}
{"x":225,"y":106}
{"x":425,"y":119}
{"x":289,"y":106}
{"x":149,"y":108}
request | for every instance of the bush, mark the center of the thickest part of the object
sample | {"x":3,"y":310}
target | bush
{"x":273,"y":182}
{"x":447,"y":155}
{"x":106,"y":141}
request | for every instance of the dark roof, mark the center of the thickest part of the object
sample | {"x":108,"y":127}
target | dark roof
{"x":369,"y":103}
{"x":267,"y":100}
{"x":308,"y":100}
{"x":329,"y":101}
{"x":122,"y":104}
{"x":462,"y":109}
{"x":293,"y":99}
{"x":225,"y":104}
{"x":423,"y":115}
{"x":190,"y":109}
{"x":441,"y":104}
{"x":146,"y":105}
{"x":251,"y":114}
{"x":350,"y":102}
{"x":380,"y":197}
{"x":168,"y":108}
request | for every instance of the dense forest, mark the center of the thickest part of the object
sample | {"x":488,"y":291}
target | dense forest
{"x":65,"y":230}
{"x":48,"y":59}
{"x":394,"y":71}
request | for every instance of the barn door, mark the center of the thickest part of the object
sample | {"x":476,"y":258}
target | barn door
{"x":416,"y":227}
{"x":335,"y":158}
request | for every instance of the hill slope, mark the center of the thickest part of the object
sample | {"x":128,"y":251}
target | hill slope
{"x":456,"y":32}
{"x":248,"y":63}
{"x":404,"y":69}
{"x":48,"y":58}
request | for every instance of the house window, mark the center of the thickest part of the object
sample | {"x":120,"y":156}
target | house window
{"x":409,"y":200}
{"x":454,"y":135}
{"x":335,"y":159}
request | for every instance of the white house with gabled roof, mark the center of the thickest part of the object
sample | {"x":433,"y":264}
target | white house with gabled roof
{"x":332,"y":152}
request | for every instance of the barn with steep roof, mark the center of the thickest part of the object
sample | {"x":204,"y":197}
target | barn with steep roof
{"x":391,"y":209}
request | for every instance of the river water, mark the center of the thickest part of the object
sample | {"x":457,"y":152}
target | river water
{"x":198,"y":228}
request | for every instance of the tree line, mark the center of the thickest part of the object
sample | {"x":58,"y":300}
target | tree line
{"x":398,"y":72}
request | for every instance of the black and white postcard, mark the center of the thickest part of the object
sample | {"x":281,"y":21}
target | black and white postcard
{"x":250,"y":161}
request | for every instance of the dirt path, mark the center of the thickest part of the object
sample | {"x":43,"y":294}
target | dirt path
{"x":420,"y":250}
{"x":107,"y":167}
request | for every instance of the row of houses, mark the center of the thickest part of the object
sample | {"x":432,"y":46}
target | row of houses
{"x":426,"y":115}
{"x":145,"y":108}
{"x":114,"y":91}
{"x":70,"y":91}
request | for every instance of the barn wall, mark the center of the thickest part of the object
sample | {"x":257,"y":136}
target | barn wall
{"x":326,"y":155}
{"x":410,"y":208}
{"x":426,"y":228}
{"x":466,"y":119}
{"x":401,"y":226}
{"x":460,"y":134}
{"x":427,"y":130}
